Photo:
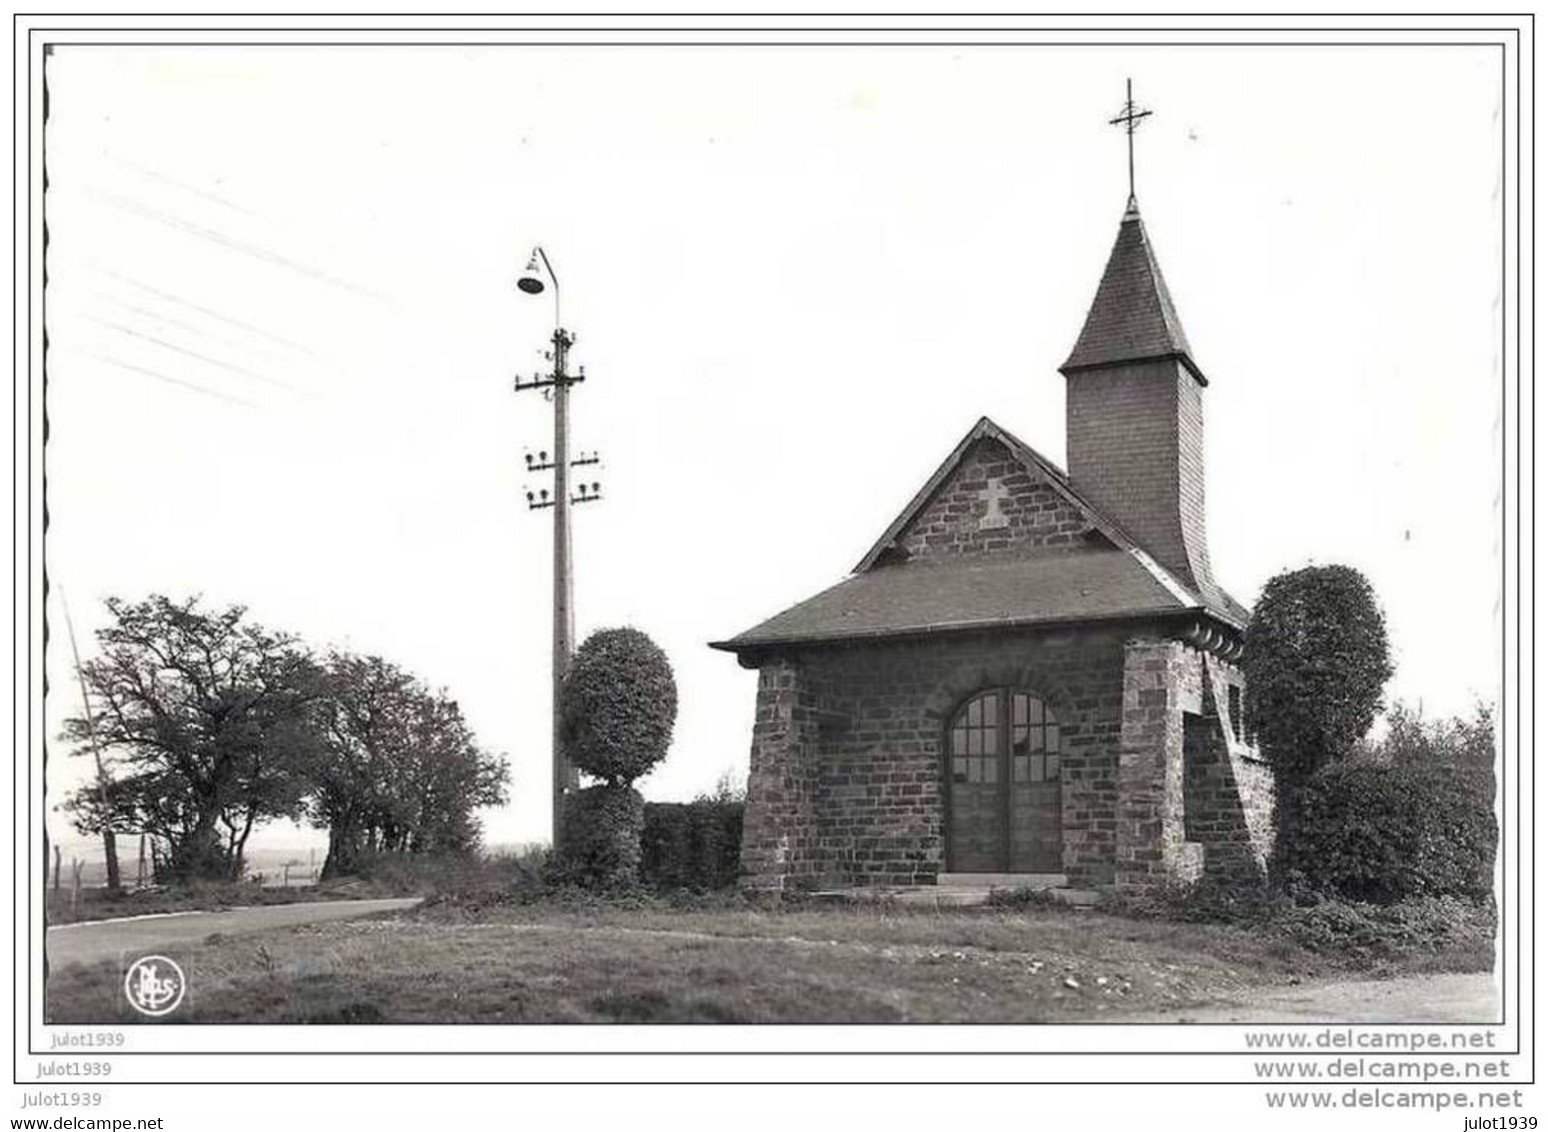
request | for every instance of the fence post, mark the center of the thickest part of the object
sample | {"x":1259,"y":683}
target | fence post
{"x":57,"y":853}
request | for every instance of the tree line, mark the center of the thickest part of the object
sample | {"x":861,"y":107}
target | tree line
{"x":212,"y":725}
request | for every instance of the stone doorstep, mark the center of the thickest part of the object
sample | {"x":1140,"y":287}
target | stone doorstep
{"x":963,"y":890}
{"x":1035,"y":881}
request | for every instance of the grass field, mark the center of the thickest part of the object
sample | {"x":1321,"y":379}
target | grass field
{"x":540,"y":963}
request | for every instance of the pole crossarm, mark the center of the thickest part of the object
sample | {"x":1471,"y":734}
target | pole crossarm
{"x":542,"y":463}
{"x":549,"y":380}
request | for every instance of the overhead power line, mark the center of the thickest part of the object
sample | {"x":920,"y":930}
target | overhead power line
{"x":202,"y":231}
{"x":168,"y":320}
{"x":191,"y":305}
{"x":156,"y":175}
{"x":165,"y":345}
{"x":88,"y":264}
{"x":191,"y":386}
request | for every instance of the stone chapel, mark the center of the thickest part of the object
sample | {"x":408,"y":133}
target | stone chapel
{"x":1030,"y":677}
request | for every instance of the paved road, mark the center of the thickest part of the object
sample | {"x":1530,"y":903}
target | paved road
{"x":109,"y":939}
{"x":1457,"y":999}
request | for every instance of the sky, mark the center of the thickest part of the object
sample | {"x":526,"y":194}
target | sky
{"x":284,"y":326}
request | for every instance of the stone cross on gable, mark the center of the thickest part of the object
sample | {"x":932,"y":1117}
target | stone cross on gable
{"x":994,"y":516}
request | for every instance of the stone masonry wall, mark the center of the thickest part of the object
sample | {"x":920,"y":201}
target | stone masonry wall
{"x":1162,"y":679}
{"x":879,"y":812}
{"x":847,"y":777}
{"x":1243,"y":807}
{"x":991,"y":505}
{"x":778,"y":829}
{"x":1195,"y":799}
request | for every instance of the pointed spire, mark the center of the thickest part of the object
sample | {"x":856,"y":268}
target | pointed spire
{"x":1132,"y":318}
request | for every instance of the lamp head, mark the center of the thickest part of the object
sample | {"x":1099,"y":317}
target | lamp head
{"x":531,"y":281}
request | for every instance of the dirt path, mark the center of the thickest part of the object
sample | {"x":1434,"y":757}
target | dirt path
{"x":96,"y":940}
{"x":1457,"y":999}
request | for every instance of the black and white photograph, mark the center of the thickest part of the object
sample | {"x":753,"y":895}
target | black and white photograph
{"x":774,"y":549}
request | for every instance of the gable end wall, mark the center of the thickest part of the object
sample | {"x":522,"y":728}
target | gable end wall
{"x":991,"y":505}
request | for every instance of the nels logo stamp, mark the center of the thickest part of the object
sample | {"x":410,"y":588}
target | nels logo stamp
{"x":154,"y":985}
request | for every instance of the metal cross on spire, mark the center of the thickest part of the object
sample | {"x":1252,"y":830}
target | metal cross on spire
{"x":1130,"y":120}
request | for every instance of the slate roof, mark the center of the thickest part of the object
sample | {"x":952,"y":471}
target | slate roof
{"x":1107,"y":578}
{"x":972,"y":593}
{"x":1132,"y":317}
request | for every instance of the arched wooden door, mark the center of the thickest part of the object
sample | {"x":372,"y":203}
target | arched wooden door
{"x":1002,"y":785}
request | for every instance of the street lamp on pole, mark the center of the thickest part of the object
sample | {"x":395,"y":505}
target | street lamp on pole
{"x":539,"y":277}
{"x":531,"y":281}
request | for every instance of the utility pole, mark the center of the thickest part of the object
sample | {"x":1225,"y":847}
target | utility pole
{"x":109,"y":838}
{"x":557,"y":385}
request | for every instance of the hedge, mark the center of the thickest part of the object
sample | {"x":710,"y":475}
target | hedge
{"x":599,"y":844}
{"x":693,"y":845}
{"x":1383,"y":833}
{"x":1360,"y":935}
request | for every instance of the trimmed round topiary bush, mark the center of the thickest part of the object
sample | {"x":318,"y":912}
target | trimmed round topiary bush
{"x":601,"y":843}
{"x":616,"y":715}
{"x":618,"y":706}
{"x":1316,"y":662}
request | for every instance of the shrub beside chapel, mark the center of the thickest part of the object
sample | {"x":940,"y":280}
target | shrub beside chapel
{"x":618,"y":708}
{"x":1409,"y":817}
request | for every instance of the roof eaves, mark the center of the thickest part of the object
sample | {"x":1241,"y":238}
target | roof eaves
{"x":745,"y":643}
{"x":1069,"y":370}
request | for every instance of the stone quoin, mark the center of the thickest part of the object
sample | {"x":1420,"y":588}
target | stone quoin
{"x":1031,"y":671}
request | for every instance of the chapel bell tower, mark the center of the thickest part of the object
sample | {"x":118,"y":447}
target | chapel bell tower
{"x":1134,"y":410}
